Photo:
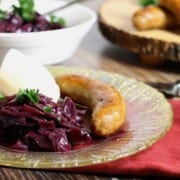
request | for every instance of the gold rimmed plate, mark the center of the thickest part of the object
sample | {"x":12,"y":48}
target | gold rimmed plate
{"x":149,"y":117}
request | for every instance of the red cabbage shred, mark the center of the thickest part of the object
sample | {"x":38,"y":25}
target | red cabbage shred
{"x":15,"y":23}
{"x":28,"y":127}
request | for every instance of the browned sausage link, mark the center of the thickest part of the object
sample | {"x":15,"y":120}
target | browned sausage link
{"x":173,"y":6}
{"x":153,"y":17}
{"x":107,"y":104}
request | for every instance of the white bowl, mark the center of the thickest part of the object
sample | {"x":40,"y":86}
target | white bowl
{"x":50,"y":47}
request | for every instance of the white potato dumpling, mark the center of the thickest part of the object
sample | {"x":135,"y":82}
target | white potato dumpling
{"x":18,"y":71}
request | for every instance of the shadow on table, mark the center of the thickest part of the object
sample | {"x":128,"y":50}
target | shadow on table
{"x":127,"y":57}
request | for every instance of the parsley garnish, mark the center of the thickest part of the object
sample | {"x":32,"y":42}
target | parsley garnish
{"x":47,"y":109}
{"x":28,"y":96}
{"x":25,"y":10}
{"x":2,"y":15}
{"x":148,"y":2}
{"x":2,"y":98}
{"x":57,"y":20}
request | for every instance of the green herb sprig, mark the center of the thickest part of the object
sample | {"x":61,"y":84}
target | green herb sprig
{"x":28,"y":96}
{"x":47,"y":109}
{"x":148,"y":2}
{"x":2,"y":98}
{"x":57,"y":20}
{"x":2,"y":15}
{"x":25,"y":9}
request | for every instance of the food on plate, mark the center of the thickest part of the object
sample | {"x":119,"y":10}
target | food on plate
{"x":18,"y":71}
{"x":163,"y":14}
{"x":31,"y":117}
{"x":30,"y":121}
{"x":153,"y":17}
{"x":34,"y":117}
{"x":107,"y":104}
{"x":24,"y":18}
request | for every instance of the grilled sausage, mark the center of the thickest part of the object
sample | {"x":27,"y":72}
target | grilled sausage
{"x":107,"y":104}
{"x":153,"y":17}
{"x":173,"y":6}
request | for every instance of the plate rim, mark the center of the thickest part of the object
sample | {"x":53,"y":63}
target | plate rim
{"x":83,"y":162}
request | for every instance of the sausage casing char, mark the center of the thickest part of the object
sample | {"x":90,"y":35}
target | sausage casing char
{"x":153,"y":17}
{"x":107,"y":104}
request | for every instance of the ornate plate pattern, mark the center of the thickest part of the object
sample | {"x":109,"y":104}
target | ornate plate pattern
{"x":149,"y":117}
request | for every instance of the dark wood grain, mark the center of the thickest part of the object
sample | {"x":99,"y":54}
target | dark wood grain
{"x":97,"y":53}
{"x":22,"y":174}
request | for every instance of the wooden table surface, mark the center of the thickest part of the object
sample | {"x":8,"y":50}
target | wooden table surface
{"x":97,"y":53}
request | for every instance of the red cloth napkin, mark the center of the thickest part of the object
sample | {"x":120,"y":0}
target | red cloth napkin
{"x":161,"y":159}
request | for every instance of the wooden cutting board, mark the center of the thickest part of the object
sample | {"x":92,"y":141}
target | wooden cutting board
{"x":116,"y":25}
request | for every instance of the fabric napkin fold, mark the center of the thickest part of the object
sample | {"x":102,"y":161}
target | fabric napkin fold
{"x":161,"y":159}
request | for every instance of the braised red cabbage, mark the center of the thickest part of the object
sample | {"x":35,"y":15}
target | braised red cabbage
{"x":46,"y":126}
{"x":15,"y":23}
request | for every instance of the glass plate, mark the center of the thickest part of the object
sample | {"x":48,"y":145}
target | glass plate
{"x":149,"y":117}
